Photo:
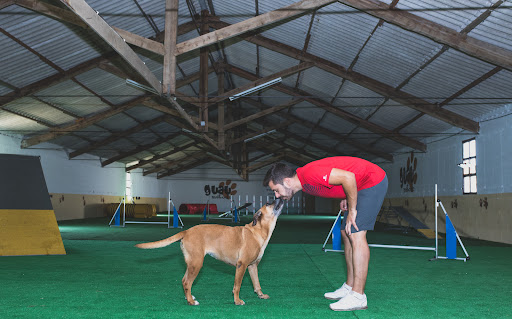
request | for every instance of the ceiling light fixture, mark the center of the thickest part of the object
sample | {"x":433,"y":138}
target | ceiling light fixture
{"x":255,"y":89}
{"x":139,"y":86}
{"x":258,"y":136}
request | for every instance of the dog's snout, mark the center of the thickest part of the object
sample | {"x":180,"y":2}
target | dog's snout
{"x":278,"y":203}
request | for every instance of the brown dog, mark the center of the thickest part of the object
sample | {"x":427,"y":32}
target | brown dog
{"x":241,"y":246}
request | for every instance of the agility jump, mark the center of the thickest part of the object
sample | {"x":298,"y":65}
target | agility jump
{"x":176,"y":220}
{"x":451,"y":237}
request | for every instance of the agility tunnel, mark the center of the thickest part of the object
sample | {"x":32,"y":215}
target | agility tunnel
{"x":27,"y":221}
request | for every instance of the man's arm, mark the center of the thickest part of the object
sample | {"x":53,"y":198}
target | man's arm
{"x":348,"y":181}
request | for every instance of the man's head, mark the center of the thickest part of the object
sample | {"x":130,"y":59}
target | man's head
{"x":279,"y":178}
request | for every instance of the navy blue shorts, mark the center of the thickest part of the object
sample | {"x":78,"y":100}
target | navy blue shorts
{"x":369,"y":202}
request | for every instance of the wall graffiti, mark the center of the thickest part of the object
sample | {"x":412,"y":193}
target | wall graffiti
{"x":223,"y":190}
{"x":408,"y":175}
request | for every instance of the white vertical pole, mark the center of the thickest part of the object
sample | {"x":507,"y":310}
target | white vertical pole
{"x":437,"y":204}
{"x":253,"y":204}
{"x":124,"y":210}
{"x":169,"y":211}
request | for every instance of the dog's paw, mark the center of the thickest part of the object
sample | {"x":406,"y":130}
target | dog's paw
{"x":194,"y":302}
{"x":263,"y":296}
{"x":240,"y":302}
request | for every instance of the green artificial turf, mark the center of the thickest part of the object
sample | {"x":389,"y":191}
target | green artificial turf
{"x":104,"y":276}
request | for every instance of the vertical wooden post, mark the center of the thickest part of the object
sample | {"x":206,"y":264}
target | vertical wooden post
{"x":171,"y":33}
{"x":220,"y":120}
{"x":203,"y":79}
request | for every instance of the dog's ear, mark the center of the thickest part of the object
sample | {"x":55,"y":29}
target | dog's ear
{"x":256,"y":218}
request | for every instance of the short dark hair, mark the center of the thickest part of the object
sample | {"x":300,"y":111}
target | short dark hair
{"x":277,"y":172}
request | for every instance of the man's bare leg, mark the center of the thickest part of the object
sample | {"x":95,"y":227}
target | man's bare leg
{"x":360,"y":260}
{"x":348,"y":258}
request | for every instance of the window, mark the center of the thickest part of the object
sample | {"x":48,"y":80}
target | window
{"x":128,"y":191}
{"x":469,"y":166}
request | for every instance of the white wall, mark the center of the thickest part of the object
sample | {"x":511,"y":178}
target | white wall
{"x":439,"y":163}
{"x":83,"y":176}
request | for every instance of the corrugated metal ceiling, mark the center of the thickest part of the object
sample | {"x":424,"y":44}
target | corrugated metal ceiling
{"x":380,"y":61}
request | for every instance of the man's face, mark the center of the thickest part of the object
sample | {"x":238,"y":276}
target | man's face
{"x":281,"y":191}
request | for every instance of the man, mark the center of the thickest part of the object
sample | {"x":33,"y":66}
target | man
{"x":362,"y":187}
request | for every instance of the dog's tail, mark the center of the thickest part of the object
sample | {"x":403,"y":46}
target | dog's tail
{"x":163,"y":242}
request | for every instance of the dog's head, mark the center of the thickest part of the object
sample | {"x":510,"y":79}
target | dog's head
{"x":269,"y":211}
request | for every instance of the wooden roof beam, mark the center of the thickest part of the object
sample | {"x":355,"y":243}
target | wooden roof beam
{"x":138,"y":149}
{"x":262,"y":20}
{"x":79,"y":124}
{"x":175,"y":162}
{"x":116,"y":136}
{"x":95,"y":22}
{"x":160,"y":156}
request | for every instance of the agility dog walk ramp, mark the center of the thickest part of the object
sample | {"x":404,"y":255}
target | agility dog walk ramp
{"x":414,"y":222}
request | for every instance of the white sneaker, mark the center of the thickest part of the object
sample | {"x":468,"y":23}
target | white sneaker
{"x":338,"y":293}
{"x":353,"y":301}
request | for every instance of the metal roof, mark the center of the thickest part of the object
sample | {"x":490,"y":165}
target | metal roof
{"x":368,"y":74}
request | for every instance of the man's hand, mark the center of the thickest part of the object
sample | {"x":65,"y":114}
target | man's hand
{"x":343,"y":205}
{"x":351,"y":220}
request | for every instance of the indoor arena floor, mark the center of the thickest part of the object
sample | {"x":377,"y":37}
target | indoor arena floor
{"x":104,"y":276}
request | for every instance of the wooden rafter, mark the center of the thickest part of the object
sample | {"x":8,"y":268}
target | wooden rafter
{"x":170,"y":35}
{"x":160,"y":156}
{"x":328,"y":150}
{"x":116,"y":136}
{"x":89,"y":16}
{"x":5,"y":3}
{"x":265,"y":130}
{"x":203,"y":79}
{"x":262,"y":20}
{"x":53,"y":80}
{"x":79,"y":124}
{"x":220,"y":113}
{"x":140,"y":148}
{"x":265,"y":162}
{"x":266,"y":112}
{"x":175,"y":162}
{"x":435,"y":31}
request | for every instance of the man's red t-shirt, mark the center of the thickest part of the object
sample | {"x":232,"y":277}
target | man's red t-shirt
{"x":314,"y":176}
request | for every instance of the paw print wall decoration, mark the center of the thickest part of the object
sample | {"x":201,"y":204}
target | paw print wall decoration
{"x":408,"y":174}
